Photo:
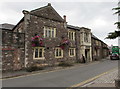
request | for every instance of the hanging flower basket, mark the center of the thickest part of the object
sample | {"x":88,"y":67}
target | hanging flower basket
{"x":37,"y":41}
{"x":64,"y":43}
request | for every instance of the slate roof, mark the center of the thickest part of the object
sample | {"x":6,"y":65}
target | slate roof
{"x":47,"y":12}
{"x":18,"y":23}
{"x":6,"y":26}
{"x":73,"y":27}
{"x":93,"y":36}
{"x":76,"y":27}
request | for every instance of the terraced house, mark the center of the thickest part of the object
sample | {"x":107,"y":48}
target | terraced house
{"x":99,"y":49}
{"x":43,"y":38}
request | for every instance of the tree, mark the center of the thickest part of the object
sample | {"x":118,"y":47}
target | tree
{"x":115,"y":34}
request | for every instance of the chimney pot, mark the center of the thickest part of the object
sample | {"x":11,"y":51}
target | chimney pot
{"x":64,"y":18}
{"x":25,"y":12}
{"x":49,"y":4}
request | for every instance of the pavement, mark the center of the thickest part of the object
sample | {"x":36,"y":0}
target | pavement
{"x":11,"y":74}
{"x":107,"y":80}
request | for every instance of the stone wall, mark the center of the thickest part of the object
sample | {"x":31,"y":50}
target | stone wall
{"x":101,"y":48}
{"x":12,"y":50}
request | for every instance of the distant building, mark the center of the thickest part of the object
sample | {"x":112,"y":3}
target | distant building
{"x":6,"y":26}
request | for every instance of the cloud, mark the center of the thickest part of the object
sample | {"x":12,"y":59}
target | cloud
{"x":98,"y":16}
{"x":59,"y":1}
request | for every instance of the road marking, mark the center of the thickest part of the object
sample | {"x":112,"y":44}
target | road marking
{"x":91,"y":79}
{"x":34,"y":73}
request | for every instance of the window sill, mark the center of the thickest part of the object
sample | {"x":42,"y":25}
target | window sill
{"x":59,"y":57}
{"x":72,"y":56}
{"x":43,"y":58}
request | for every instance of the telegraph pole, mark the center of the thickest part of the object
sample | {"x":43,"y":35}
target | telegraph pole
{"x":117,"y":81}
{"x":118,"y":27}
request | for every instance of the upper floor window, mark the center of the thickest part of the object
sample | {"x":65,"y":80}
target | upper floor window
{"x":86,"y":37}
{"x":97,"y":43}
{"x":49,"y":32}
{"x":71,"y":35}
{"x":38,"y":53}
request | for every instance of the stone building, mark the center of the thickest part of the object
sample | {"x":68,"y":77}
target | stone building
{"x":82,"y":41}
{"x":85,"y":43}
{"x":51,"y":29}
{"x":99,"y":49}
{"x":43,"y":38}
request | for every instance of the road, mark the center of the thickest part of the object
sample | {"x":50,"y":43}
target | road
{"x":62,"y":78}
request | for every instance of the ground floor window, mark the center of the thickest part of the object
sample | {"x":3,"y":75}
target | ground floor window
{"x":58,"y":53}
{"x":38,"y":53}
{"x":71,"y":52}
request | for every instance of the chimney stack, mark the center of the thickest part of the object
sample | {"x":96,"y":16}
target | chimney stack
{"x":64,"y":17}
{"x":49,"y":4}
{"x":25,"y":12}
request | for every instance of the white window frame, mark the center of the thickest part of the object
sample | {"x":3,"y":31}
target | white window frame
{"x":49,"y":32}
{"x":59,"y":49}
{"x":41,"y":58}
{"x":71,"y":35}
{"x":72,"y":55}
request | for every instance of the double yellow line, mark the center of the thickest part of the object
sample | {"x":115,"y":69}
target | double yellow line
{"x":91,"y":79}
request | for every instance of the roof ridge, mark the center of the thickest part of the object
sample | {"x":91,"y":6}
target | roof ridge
{"x":39,"y":8}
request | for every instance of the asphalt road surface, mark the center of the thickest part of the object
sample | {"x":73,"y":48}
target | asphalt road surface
{"x":62,"y":78}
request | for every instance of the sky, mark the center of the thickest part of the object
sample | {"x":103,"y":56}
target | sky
{"x":94,"y":14}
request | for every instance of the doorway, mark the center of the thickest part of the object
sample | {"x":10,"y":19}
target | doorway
{"x":87,"y":54}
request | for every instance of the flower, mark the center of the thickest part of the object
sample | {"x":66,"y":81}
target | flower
{"x":33,"y":45}
{"x":62,"y":47}
{"x":37,"y":41}
{"x":63,"y":43}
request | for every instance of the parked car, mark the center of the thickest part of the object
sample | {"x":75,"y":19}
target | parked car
{"x":114,"y":56}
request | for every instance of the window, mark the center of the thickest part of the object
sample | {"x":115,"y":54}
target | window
{"x":38,"y":53}
{"x":97,"y":43}
{"x":49,"y":32}
{"x":58,"y":53}
{"x":86,"y":37}
{"x":71,"y":35}
{"x":71,"y":52}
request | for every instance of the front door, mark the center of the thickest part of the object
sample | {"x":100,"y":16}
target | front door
{"x":87,"y":54}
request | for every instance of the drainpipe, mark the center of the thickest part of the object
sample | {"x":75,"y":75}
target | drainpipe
{"x":117,"y":81}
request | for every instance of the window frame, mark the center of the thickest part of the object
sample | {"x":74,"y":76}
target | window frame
{"x":43,"y":50}
{"x":59,"y":49}
{"x":71,"y":35}
{"x":73,"y":49}
{"x":49,"y":32}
